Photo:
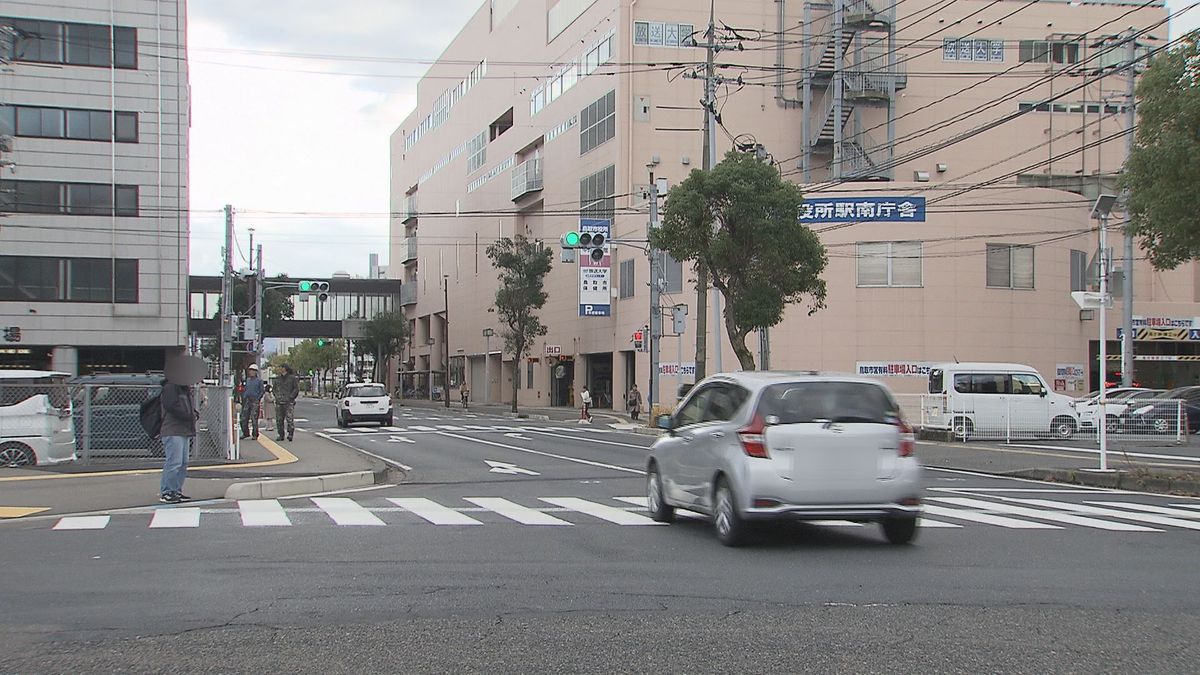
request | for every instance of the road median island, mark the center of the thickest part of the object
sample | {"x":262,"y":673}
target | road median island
{"x":1140,"y":480}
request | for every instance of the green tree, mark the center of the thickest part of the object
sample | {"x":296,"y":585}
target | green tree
{"x":522,"y":265}
{"x":277,"y":306}
{"x":307,"y":356}
{"x":741,"y":220}
{"x":386,"y":335}
{"x":1163,"y":170}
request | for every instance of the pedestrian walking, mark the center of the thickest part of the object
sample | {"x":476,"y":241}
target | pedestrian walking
{"x":179,"y":415}
{"x":634,"y":400}
{"x":252,"y":396}
{"x":465,"y":395}
{"x":287,"y":390}
{"x":586,"y":398}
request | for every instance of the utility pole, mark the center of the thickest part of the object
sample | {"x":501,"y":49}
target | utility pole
{"x":709,"y":160}
{"x":446,"y":343}
{"x":224,"y":369}
{"x":260,"y":283}
{"x":653,"y":392}
{"x":1127,"y":277}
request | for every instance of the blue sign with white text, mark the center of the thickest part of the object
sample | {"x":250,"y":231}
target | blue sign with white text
{"x":863,"y":209}
{"x":595,"y":310}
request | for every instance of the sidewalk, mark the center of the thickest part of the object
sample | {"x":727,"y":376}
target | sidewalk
{"x":54,"y":490}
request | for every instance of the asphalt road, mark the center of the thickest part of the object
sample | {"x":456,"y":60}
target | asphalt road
{"x":519,"y":546}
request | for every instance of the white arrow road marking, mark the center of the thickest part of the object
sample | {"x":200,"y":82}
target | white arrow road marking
{"x":519,"y":437}
{"x":509,"y":468}
{"x":400,"y":439}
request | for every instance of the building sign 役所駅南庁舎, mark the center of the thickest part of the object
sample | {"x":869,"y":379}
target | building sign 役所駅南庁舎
{"x":863,"y":209}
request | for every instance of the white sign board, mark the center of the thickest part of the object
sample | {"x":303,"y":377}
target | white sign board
{"x":893,"y":368}
{"x":674,"y":369}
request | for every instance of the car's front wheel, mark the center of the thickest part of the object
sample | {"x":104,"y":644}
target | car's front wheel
{"x":731,"y":529}
{"x":659,"y":509}
{"x":1063,"y":427}
{"x":15,"y":455}
{"x":341,"y":421}
{"x":900,"y":530}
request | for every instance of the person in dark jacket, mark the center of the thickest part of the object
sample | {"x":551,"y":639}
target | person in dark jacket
{"x":287,"y":390}
{"x":179,"y":417}
{"x":252,"y":395}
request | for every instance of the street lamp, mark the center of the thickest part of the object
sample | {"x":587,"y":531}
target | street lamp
{"x":1100,"y":211}
{"x":487,"y":354}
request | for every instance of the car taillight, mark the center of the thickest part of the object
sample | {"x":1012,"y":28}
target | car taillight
{"x":908,"y":439}
{"x":752,"y":438}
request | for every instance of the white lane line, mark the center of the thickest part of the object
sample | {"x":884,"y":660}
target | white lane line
{"x":1178,"y":513}
{"x":334,"y":430}
{"x":601,"y":511}
{"x":1114,"y":513}
{"x":171,"y":518}
{"x":345,"y":511}
{"x":432,"y":511}
{"x":928,"y":522}
{"x":513,"y":511}
{"x":263,"y":513}
{"x":1096,"y":451}
{"x":394,"y":430}
{"x":449,"y":427}
{"x":476,"y":427}
{"x":365,"y":430}
{"x":1071,"y":491}
{"x":576,"y":460}
{"x":1001,"y":521}
{"x":419,"y":428}
{"x":1043,"y":515}
{"x":82,"y":523}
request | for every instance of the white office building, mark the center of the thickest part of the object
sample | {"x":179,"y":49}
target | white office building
{"x":93,"y":195}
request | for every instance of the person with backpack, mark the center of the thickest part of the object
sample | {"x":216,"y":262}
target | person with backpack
{"x":178,"y":428}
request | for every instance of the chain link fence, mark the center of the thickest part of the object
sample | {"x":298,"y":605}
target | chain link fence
{"x":96,"y":423}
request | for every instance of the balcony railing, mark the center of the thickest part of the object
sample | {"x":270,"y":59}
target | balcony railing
{"x":526,"y":178}
{"x":410,"y":250}
{"x":410,"y":208}
{"x":408,"y":293}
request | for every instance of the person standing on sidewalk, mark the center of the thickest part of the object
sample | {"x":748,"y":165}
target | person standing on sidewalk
{"x":287,"y":390}
{"x":585,"y":396}
{"x":252,"y":396}
{"x":634,"y":400}
{"x":179,"y":417}
{"x":465,"y":395}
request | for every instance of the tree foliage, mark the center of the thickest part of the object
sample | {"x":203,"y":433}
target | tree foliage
{"x":386,"y":334}
{"x":522,"y":265}
{"x":758,"y":254}
{"x":1163,"y":171}
{"x":277,"y":302}
{"x":307,"y":357}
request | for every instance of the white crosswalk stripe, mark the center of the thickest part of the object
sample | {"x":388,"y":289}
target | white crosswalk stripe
{"x":346,"y":511}
{"x":422,"y":428}
{"x":1187,"y":506}
{"x":82,"y":523}
{"x":433,"y":512}
{"x":601,"y":511}
{"x":1042,"y":515}
{"x":176,"y":518}
{"x":1179,"y":513}
{"x":392,"y":429}
{"x":987,"y":519}
{"x":263,"y":513}
{"x":1114,"y":513}
{"x":449,"y":427}
{"x":514,"y":511}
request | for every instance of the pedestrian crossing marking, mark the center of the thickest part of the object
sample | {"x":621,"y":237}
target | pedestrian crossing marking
{"x":345,"y":511}
{"x":476,"y":427}
{"x":391,"y":429}
{"x":1043,"y":515}
{"x":449,"y":427}
{"x":1187,"y":506}
{"x":82,"y":523}
{"x":422,"y":429}
{"x":1150,"y":509}
{"x":988,"y":519}
{"x":176,"y":518}
{"x":601,"y":511}
{"x":1114,"y":513}
{"x":929,"y":522}
{"x":514,"y":511}
{"x":433,"y":512}
{"x":263,"y":513}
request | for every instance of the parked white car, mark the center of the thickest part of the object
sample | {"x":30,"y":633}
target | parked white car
{"x":995,"y":400}
{"x":35,"y":418}
{"x":1118,"y":402}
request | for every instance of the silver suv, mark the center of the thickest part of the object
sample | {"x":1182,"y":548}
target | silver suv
{"x":760,"y":445}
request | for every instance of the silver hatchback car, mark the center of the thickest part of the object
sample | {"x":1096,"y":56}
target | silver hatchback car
{"x":762,"y":445}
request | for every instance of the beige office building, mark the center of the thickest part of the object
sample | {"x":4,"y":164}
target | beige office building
{"x":951,"y":153}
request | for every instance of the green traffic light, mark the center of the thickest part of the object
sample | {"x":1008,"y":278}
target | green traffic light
{"x":305,"y":286}
{"x":320,"y":342}
{"x":571,"y":238}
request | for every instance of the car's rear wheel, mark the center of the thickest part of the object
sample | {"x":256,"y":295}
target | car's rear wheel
{"x":1063,"y":427}
{"x":341,"y":421}
{"x":731,"y":529}
{"x":659,"y":509}
{"x":13,"y":455}
{"x":1112,"y":424}
{"x":900,"y":530}
{"x":1161,"y":425}
{"x":962,"y":428}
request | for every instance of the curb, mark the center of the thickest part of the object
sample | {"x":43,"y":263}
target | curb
{"x":1117,"y":480}
{"x":285,"y":487}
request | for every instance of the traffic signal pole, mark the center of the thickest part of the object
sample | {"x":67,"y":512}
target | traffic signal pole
{"x":653,"y":393}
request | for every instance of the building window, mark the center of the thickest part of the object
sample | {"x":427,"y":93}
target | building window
{"x":1042,"y":51}
{"x":76,"y":44}
{"x":596,"y":194}
{"x":1009,"y":266}
{"x":598,"y":122}
{"x":70,"y":123}
{"x":75,"y":199}
{"x":44,"y":279}
{"x":1079,"y":263}
{"x":529,"y":374}
{"x":626,"y":281}
{"x":671,"y":274}
{"x":889,"y":263}
{"x":477,"y":152}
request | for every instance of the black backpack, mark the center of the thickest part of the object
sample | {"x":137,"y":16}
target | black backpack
{"x":150,"y":415}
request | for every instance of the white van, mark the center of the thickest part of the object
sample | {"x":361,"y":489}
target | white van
{"x":35,"y":418}
{"x":995,"y":400}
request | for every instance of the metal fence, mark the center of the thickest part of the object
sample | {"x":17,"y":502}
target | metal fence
{"x":96,"y":423}
{"x":1016,"y":417}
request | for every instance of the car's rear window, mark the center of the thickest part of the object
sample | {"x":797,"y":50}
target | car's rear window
{"x":805,"y":402}
{"x":366,"y":392}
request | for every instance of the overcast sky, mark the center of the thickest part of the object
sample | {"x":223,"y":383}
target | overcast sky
{"x":281,"y":137}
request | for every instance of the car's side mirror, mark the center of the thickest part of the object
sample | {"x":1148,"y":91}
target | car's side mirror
{"x":1042,"y":393}
{"x":664,"y":422}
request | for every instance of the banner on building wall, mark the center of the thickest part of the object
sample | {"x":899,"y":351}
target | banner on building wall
{"x":1070,"y":377}
{"x":1165,"y":322}
{"x":893,"y":368}
{"x":863,"y":209}
{"x":595,"y":276}
{"x":674,"y":369}
{"x":1163,"y":334}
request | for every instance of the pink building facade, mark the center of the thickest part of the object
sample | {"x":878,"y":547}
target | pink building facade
{"x":1002,"y":121}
